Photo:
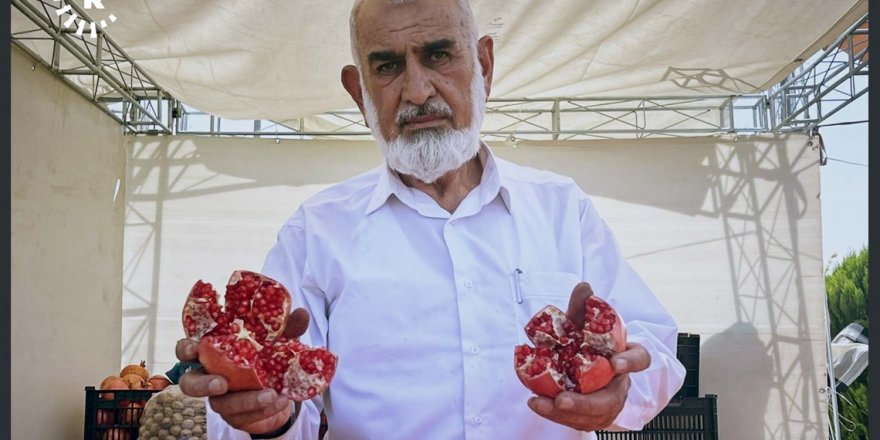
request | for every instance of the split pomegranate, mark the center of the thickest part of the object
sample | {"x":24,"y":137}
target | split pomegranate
{"x":243,"y":339}
{"x":567,"y":358}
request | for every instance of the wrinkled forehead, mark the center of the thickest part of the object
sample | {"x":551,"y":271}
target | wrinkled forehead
{"x":384,"y":24}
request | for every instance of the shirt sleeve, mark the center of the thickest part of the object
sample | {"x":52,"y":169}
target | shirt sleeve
{"x":647,"y":321}
{"x":286,"y":262}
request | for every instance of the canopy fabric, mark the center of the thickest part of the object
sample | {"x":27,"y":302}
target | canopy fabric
{"x":281,"y":59}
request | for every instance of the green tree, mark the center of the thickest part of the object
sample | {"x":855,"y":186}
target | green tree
{"x":847,"y":290}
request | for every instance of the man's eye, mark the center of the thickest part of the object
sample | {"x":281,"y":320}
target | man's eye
{"x":439,"y":56}
{"x":386,"y":68}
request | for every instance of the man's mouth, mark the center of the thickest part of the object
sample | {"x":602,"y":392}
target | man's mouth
{"x":425,"y":121}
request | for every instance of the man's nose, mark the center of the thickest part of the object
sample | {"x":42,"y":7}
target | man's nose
{"x":417,"y":85}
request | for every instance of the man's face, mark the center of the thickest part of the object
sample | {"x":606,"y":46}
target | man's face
{"x":414,"y":54}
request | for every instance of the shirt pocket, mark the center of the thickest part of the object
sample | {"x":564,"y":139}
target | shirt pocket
{"x":534,"y":290}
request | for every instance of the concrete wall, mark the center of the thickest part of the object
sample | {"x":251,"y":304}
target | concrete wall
{"x":726,"y":232}
{"x":67,"y":158}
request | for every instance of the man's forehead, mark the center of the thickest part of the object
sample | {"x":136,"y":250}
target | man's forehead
{"x":378,"y":19}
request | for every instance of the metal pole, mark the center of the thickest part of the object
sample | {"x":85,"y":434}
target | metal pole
{"x":832,"y":389}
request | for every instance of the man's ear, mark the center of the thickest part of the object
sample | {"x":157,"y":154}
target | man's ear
{"x":351,"y":80}
{"x":486,"y":57}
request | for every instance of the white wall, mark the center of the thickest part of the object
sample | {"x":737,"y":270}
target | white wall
{"x":67,"y":157}
{"x":726,"y":232}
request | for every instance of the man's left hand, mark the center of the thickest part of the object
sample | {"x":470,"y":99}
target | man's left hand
{"x":596,"y":410}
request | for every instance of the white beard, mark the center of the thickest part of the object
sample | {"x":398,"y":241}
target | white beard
{"x":428,"y":154}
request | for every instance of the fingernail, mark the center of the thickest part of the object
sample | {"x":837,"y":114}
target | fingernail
{"x":215,"y":386}
{"x":620,"y":364}
{"x":566,"y":403}
{"x":266,"y":397}
{"x":190,"y":351}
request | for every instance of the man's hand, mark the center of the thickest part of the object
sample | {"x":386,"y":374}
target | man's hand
{"x":596,"y":410}
{"x":255,"y":412}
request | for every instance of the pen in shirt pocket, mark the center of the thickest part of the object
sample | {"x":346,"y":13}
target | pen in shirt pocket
{"x":517,"y":284}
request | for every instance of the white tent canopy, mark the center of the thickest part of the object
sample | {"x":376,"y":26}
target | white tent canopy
{"x":280,"y":59}
{"x":726,"y":230}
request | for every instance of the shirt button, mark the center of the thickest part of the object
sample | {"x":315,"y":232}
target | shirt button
{"x":477,"y":420}
{"x":468,"y":284}
{"x":475,"y":349}
{"x":452,"y":222}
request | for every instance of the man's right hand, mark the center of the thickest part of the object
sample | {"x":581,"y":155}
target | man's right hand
{"x":255,"y":412}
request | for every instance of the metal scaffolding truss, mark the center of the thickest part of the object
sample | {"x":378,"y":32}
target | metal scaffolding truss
{"x":102,"y":72}
{"x":837,"y":76}
{"x":552,"y":118}
{"x":97,"y":68}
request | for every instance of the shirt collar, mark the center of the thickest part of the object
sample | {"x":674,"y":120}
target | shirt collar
{"x":491,"y":183}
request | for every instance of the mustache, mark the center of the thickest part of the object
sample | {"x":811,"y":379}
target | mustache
{"x":409,"y":112}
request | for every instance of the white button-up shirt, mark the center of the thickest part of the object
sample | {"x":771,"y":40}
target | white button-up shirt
{"x":424,"y":308}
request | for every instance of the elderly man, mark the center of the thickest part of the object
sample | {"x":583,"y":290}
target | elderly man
{"x":420,"y":274}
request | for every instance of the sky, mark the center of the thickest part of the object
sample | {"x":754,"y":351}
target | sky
{"x":844,"y":186}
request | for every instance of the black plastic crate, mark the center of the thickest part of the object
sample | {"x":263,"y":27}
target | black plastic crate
{"x":688,"y":353}
{"x":114,"y":415}
{"x":691,"y":418}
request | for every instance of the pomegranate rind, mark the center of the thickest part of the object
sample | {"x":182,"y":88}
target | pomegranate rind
{"x":158,"y":382}
{"x":134,"y":381}
{"x":139,"y":369}
{"x":215,"y":361}
{"x":201,"y":310}
{"x":593,"y":375}
{"x":112,"y":383}
{"x":547,"y":383}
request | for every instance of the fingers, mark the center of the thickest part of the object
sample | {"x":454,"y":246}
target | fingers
{"x":297,"y":324}
{"x":265,"y":425}
{"x":246,"y":402}
{"x":197,"y":383}
{"x":577,"y":303}
{"x":187,"y":350}
{"x":253,"y":411}
{"x":634,"y":359}
{"x":588,"y":412}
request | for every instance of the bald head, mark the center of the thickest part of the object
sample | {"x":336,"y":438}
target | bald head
{"x":363,"y":8}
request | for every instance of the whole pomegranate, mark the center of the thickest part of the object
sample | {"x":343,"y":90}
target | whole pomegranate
{"x":131,"y":413}
{"x":112,"y":383}
{"x":158,"y":382}
{"x":243,"y":340}
{"x":116,"y":434}
{"x":138,"y":369}
{"x":568,"y":358}
{"x":135,"y":382}
{"x":104,"y":417}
